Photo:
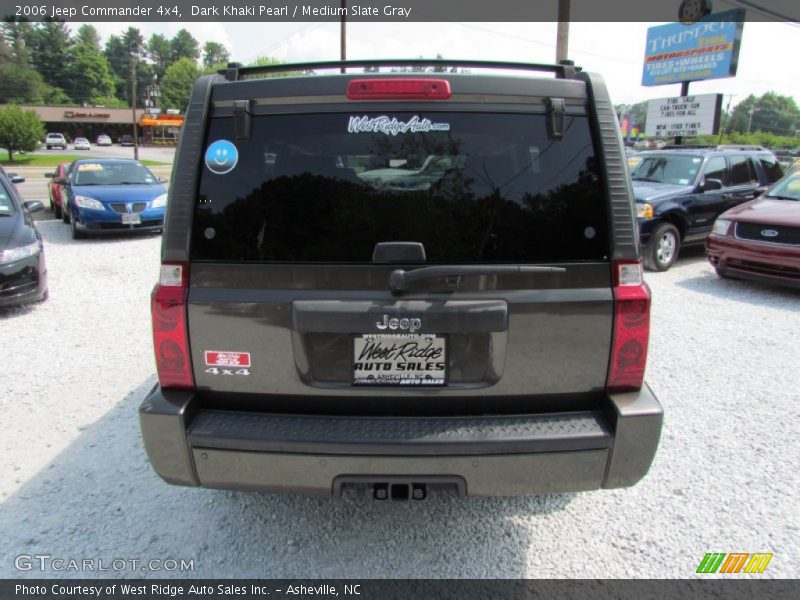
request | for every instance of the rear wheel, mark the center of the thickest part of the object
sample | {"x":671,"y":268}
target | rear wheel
{"x":662,"y":250}
{"x":65,"y":214}
{"x":56,"y":210}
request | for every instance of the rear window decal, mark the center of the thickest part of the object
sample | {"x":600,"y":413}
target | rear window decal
{"x":216,"y":358}
{"x":221,"y":157}
{"x":90,"y":167}
{"x":387,"y":126}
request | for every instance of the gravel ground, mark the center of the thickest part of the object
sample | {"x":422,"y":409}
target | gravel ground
{"x":76,"y":483}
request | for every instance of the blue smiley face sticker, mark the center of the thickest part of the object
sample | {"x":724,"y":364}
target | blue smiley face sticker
{"x":221,"y":157}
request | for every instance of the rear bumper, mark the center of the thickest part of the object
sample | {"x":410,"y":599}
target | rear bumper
{"x":489,"y":456}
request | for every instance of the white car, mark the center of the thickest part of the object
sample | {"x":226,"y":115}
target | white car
{"x":103,"y":140}
{"x":82,"y":143}
{"x":55,"y":140}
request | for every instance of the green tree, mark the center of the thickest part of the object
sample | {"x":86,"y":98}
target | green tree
{"x":176,"y":86}
{"x":17,"y":37}
{"x":160,"y":51}
{"x":265,"y":61}
{"x":184,"y":46}
{"x":771,"y":113}
{"x":120,"y":52}
{"x":88,"y":74}
{"x":20,"y":130}
{"x":214,"y":54}
{"x":87,"y":35}
{"x":51,"y":43}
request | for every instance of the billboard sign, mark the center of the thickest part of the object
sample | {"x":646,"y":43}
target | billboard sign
{"x":686,"y":116}
{"x":708,"y":49}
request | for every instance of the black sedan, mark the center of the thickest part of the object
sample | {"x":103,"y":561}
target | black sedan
{"x":23,"y":274}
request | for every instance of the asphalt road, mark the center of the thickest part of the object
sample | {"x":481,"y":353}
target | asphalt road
{"x":76,"y":483}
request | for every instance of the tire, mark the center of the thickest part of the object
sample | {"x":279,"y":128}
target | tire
{"x":76,"y":234}
{"x":723,"y":274}
{"x":65,"y":214}
{"x":663,"y":248}
{"x":56,"y":210}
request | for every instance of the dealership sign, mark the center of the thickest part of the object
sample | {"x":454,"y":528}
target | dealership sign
{"x":686,"y":116}
{"x":708,"y":49}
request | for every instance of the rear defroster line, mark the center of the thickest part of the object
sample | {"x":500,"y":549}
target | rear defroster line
{"x":399,"y":279}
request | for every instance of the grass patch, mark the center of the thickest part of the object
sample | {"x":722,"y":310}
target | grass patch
{"x":53,"y":160}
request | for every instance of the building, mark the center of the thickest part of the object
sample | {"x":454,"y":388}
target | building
{"x":90,"y":122}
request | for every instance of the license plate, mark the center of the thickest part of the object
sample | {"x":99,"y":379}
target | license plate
{"x":399,"y":359}
{"x":131,"y":219}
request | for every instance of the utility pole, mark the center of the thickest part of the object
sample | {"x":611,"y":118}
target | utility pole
{"x":133,"y":107}
{"x":750,"y":119}
{"x":562,"y":34}
{"x":343,"y":34}
{"x":727,"y":117}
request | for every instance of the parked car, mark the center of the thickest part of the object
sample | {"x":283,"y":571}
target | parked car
{"x":23,"y":273}
{"x":55,"y":140}
{"x":633,"y":157}
{"x":112,"y":195}
{"x":760,"y":240}
{"x":126,"y":140}
{"x":428,"y":290}
{"x":103,"y":140}
{"x":679,"y":193}
{"x":82,"y":143}
{"x":54,"y":189}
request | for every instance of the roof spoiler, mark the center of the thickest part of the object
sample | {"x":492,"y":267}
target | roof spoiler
{"x":236,"y":72}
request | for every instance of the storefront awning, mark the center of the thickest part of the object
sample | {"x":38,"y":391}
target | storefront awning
{"x":153,"y":122}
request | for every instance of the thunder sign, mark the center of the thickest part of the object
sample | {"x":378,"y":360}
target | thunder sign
{"x":708,"y":49}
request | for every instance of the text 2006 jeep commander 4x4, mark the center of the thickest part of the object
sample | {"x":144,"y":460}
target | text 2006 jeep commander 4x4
{"x":398,"y":281}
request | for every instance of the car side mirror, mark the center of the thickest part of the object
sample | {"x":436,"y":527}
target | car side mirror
{"x":49,"y":175}
{"x":60,"y":181}
{"x":15,"y":178}
{"x":33,"y":206}
{"x":709,"y":185}
{"x":162,"y":180}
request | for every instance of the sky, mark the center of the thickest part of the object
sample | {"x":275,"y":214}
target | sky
{"x":768,"y":60}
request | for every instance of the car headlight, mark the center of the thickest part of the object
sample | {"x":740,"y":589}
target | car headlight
{"x":85,"y":202}
{"x":14,"y":254}
{"x":159,"y":202}
{"x":721,"y":227}
{"x":644,"y":211}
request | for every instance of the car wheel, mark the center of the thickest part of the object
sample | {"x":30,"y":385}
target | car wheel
{"x":723,"y":274}
{"x":662,"y":250}
{"x":76,"y":233}
{"x":65,"y":214}
{"x":56,"y":210}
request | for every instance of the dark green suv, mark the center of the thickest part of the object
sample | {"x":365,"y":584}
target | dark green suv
{"x":401,"y":281}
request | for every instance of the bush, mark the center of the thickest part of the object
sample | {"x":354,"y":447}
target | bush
{"x":20,"y":130}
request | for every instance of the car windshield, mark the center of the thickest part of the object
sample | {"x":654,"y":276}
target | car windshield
{"x":112,"y":173}
{"x":668,"y":168}
{"x":788,"y":189}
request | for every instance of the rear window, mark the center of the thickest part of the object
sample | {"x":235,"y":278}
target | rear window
{"x":470,"y":187}
{"x":771,"y":167}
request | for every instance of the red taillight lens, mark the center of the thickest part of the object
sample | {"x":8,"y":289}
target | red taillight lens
{"x":631,"y":327}
{"x":398,"y":89}
{"x":170,"y":331}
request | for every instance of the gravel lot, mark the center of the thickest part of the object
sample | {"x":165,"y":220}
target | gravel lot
{"x":76,"y":483}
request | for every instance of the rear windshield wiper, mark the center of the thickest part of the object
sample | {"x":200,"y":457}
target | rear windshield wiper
{"x":400,"y":278}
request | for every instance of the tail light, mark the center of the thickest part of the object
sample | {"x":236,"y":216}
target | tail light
{"x":631,"y":327}
{"x":170,"y":329}
{"x":398,"y":89}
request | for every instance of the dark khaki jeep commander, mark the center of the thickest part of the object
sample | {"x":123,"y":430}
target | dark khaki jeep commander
{"x":398,"y":281}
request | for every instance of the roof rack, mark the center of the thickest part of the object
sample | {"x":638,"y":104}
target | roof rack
{"x":688,"y":147}
{"x":236,"y":72}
